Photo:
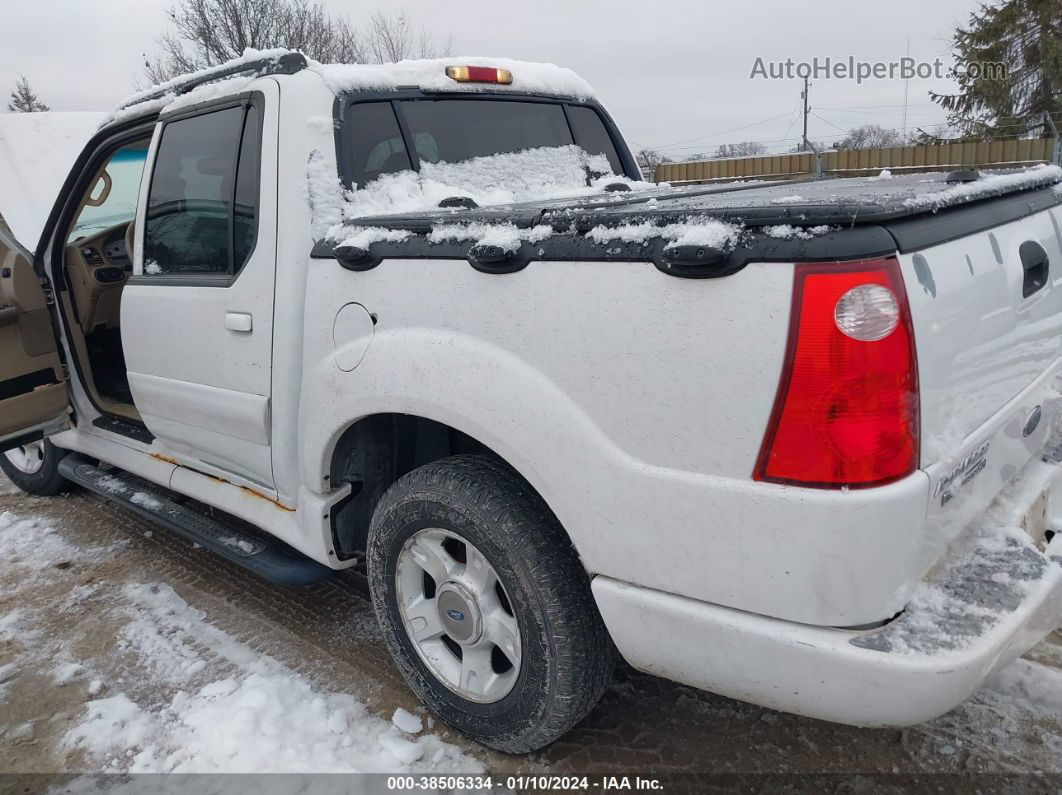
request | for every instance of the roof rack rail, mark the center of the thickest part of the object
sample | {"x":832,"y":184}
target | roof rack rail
{"x":287,"y":64}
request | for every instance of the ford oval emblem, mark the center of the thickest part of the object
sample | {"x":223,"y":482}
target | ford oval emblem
{"x":1032,"y":421}
{"x":456,"y":615}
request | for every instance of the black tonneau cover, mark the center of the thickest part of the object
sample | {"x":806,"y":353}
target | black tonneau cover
{"x":851,"y":218}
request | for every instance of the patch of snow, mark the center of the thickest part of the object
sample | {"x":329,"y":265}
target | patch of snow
{"x":506,"y":236}
{"x":138,"y":103}
{"x":961,"y":602}
{"x":29,"y":542}
{"x":986,"y":186}
{"x":1031,"y":682}
{"x":152,"y":267}
{"x":407,"y":721}
{"x":788,"y":232}
{"x":705,"y":231}
{"x":145,"y":500}
{"x":262,"y":717}
{"x":222,"y":88}
{"x":363,"y":237}
{"x":788,"y":200}
{"x":885,"y":174}
{"x":325,"y":194}
{"x":111,"y":484}
{"x":430,"y":75}
{"x":239,"y":543}
{"x":15,"y":626}
{"x":67,"y":672}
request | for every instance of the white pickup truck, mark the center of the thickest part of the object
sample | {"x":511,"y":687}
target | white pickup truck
{"x":780,"y":441}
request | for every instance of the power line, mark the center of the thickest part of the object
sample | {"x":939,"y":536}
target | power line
{"x":817,"y":116}
{"x":724,"y":132}
{"x":850,"y":107}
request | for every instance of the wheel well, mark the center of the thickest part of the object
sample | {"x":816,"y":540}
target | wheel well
{"x":372,"y":454}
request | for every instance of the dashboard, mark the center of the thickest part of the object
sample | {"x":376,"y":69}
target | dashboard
{"x":97,"y":267}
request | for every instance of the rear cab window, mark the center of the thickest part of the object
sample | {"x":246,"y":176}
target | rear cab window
{"x":390,"y":136}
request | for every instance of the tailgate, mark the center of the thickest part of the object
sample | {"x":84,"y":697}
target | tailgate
{"x":988,"y":340}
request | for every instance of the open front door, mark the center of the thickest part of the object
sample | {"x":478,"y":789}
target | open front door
{"x":33,"y":389}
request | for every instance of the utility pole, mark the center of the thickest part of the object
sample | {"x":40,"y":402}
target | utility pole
{"x":906,"y":91}
{"x":804,"y":96}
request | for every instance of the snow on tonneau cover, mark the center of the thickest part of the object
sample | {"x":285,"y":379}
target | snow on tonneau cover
{"x":967,"y":250}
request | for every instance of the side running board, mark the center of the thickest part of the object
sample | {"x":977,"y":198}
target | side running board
{"x":233,"y":540}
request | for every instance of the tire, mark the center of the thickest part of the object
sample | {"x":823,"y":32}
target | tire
{"x":565,"y":656}
{"x":34,"y":468}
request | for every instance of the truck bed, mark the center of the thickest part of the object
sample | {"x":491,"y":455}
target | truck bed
{"x":833,"y":219}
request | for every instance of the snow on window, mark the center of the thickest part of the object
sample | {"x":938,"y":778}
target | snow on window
{"x":542,"y":173}
{"x":528,"y":175}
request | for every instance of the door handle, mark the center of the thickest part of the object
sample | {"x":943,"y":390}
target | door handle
{"x":238,"y":321}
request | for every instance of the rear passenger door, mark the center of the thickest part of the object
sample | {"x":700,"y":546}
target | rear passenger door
{"x":197,"y":315}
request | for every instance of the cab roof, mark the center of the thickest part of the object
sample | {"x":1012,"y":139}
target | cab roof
{"x":429,"y":75}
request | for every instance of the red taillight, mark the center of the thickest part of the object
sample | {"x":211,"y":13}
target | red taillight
{"x":479,"y":74}
{"x":846,"y":413}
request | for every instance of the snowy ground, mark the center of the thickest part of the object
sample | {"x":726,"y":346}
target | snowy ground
{"x":123,"y":648}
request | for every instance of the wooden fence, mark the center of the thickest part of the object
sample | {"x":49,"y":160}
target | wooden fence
{"x":856,"y":162}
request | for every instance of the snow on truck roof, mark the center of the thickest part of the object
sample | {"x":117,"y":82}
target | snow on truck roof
{"x":428,"y":74}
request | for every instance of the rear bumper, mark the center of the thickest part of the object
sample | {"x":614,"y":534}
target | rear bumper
{"x":986,"y":603}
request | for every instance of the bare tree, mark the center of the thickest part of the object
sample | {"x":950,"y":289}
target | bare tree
{"x":390,"y":38}
{"x":649,"y":159}
{"x":208,"y":32}
{"x":743,"y":149}
{"x":871,"y":136}
{"x":24,"y":98}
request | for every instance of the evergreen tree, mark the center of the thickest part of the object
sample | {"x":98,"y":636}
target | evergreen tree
{"x":1025,"y":36}
{"x":24,"y":99}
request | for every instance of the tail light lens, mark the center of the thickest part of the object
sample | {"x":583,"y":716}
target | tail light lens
{"x":846,"y":413}
{"x":479,"y":74}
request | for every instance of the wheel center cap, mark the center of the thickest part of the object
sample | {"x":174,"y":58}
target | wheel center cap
{"x":459,"y":612}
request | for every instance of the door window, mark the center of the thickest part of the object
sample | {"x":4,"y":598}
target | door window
{"x":203,"y":200}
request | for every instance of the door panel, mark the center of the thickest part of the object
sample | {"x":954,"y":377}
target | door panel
{"x":33,"y":390}
{"x":201,"y":382}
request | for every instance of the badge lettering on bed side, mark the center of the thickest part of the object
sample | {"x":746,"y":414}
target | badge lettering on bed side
{"x":953,"y":480}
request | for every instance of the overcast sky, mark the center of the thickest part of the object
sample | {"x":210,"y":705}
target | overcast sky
{"x":674,"y":74}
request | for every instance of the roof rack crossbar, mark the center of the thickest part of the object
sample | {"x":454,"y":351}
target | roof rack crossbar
{"x":287,"y":64}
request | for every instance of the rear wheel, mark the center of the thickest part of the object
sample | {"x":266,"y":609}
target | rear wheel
{"x":34,"y":468}
{"x":484,"y":604}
